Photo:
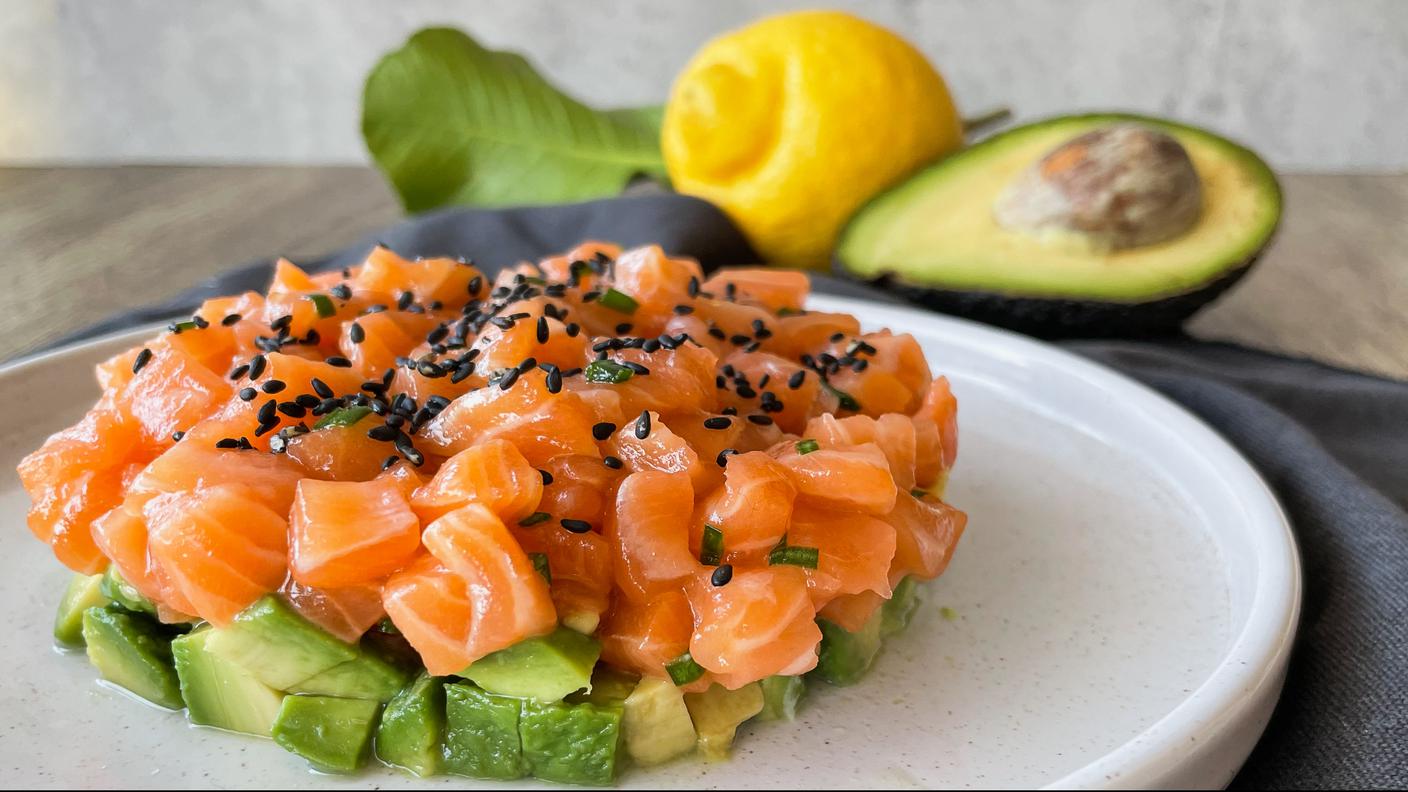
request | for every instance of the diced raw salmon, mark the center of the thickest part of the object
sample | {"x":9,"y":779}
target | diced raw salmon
{"x":752,"y":509}
{"x":645,"y":636}
{"x":649,"y":529}
{"x":346,"y":613}
{"x":493,"y":474}
{"x":927,"y":531}
{"x":853,"y":478}
{"x":761,"y":623}
{"x":854,"y":552}
{"x":348,"y":533}
{"x":775,"y":289}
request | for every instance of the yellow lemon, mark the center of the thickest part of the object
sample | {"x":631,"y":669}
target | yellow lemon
{"x":793,"y":122}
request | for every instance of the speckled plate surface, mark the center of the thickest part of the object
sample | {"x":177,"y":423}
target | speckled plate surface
{"x":1118,"y":614}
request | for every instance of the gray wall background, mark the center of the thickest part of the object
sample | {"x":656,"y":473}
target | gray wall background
{"x":1315,"y":85}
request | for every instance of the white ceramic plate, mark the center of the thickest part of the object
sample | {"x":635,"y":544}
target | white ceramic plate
{"x":1118,"y":614}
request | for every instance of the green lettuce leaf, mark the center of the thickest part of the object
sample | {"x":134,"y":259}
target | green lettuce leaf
{"x":450,"y":122}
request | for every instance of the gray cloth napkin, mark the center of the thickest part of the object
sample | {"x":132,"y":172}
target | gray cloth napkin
{"x":1333,"y":444}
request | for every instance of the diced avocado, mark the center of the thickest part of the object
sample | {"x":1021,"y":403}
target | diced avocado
{"x":277,"y":645}
{"x":481,"y":734}
{"x":584,"y":622}
{"x":412,"y":730}
{"x":545,"y":668}
{"x":129,"y":651}
{"x":609,"y":686}
{"x":717,"y":713}
{"x":83,"y":592}
{"x":117,"y":589}
{"x":333,"y":734}
{"x":655,"y":722}
{"x":571,"y":743}
{"x":219,"y":693}
{"x":781,"y":694}
{"x":846,"y":656}
{"x":900,"y":607}
{"x":368,"y":676}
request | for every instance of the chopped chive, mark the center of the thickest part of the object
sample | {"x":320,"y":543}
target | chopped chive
{"x":181,"y":327}
{"x":343,"y":416}
{"x":711,"y":548}
{"x":807,"y":446}
{"x":387,"y":627}
{"x":618,"y":301}
{"x":848,"y":401}
{"x":607,"y":371}
{"x":324,"y":305}
{"x":683,"y":670}
{"x":540,"y":563}
{"x":918,"y":493}
{"x":534,"y":519}
{"x":793,"y":556}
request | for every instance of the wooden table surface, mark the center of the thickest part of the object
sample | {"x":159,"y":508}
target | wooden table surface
{"x":82,"y":243}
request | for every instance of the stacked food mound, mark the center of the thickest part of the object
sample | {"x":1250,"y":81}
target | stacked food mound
{"x":596,"y":508}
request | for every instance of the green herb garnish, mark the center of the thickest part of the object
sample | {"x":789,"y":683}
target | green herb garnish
{"x":342,"y":416}
{"x":181,"y":327}
{"x":848,"y":402}
{"x":786,"y":554}
{"x":534,"y":519}
{"x":711,"y":547}
{"x":618,"y":301}
{"x":600,"y":371}
{"x":684,"y":670}
{"x":387,"y":626}
{"x":324,"y":305}
{"x":540,"y":563}
{"x":808,"y":445}
{"x":918,"y":493}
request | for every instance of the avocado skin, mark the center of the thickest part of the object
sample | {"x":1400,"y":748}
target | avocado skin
{"x":1058,"y":318}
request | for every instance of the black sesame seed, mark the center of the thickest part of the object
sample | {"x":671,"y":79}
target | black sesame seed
{"x":722,"y":575}
{"x":761,"y":420}
{"x":356,"y":334}
{"x":835,"y":337}
{"x":693,"y":287}
{"x":475,"y":284}
{"x":306,"y":400}
{"x":141,"y":360}
{"x":603,"y":430}
{"x":623,"y":328}
{"x":428,"y":369}
{"x":248,"y":394}
{"x":509,"y":377}
{"x":404,"y":301}
{"x":177,"y":435}
{"x":274,"y":386}
{"x":612,"y":462}
{"x":745,"y":391}
{"x":527,"y":365}
{"x":282,"y":322}
{"x":576,"y":526}
{"x":573,"y":329}
{"x":717,"y":333}
{"x":438,"y":334}
{"x":227,"y":442}
{"x":239,"y":371}
{"x":739,"y":339}
{"x":231,"y":319}
{"x":338,"y":361}
{"x":684,"y":309}
{"x":383,"y":433}
{"x":292,"y":409}
{"x":722,"y":458}
{"x":389,"y":461}
{"x":547,"y":477}
{"x":542,"y":329}
{"x":717,"y":423}
{"x":729,"y":411}
{"x":554,"y":381}
{"x":643,"y":425}
{"x":341,"y":291}
{"x":321,"y":388}
{"x":266,"y":411}
{"x":795,"y":381}
{"x":635,"y":367}
{"x":462,"y":371}
{"x":256,"y":366}
{"x":651,"y":345}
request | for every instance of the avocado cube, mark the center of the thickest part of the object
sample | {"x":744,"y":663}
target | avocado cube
{"x":219,"y":693}
{"x":481,"y":734}
{"x":900,"y":607}
{"x":278,"y":646}
{"x":368,"y":676}
{"x":781,"y":694}
{"x":412,"y":730}
{"x":718,"y":712}
{"x":845,"y":656}
{"x":83,"y":592}
{"x":544,"y":668}
{"x":124,"y":594}
{"x":571,"y":743}
{"x":610,"y":686}
{"x":130,"y":651}
{"x":333,"y":734}
{"x":655,"y":722}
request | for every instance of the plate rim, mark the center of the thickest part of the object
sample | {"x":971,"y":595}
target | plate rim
{"x":1237,"y":694}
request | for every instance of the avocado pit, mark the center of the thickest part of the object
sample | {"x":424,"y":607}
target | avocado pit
{"x":1117,"y":186}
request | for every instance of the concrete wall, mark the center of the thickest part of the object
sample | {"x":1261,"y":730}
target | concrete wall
{"x":1314,"y":84}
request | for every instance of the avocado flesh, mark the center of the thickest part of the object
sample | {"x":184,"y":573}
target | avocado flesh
{"x":333,"y":734}
{"x":571,"y":743}
{"x":83,"y":592}
{"x":844,"y":656}
{"x":221,"y":694}
{"x":899,"y":609}
{"x":369,"y":676}
{"x":278,"y":646}
{"x":481,"y":734}
{"x":655,"y":722}
{"x":718,"y":712}
{"x":781,"y":695}
{"x":412,"y":728}
{"x":116,"y":588}
{"x":131,"y":652}
{"x":544,"y":668}
{"x":936,"y":230}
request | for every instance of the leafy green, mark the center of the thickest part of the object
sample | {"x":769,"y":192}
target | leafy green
{"x":451,"y":122}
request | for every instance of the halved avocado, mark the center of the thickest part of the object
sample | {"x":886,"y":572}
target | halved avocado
{"x":938,"y":239}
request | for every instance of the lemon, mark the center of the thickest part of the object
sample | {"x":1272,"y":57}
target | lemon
{"x":793,"y":122}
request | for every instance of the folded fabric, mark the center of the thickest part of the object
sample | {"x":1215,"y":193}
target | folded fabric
{"x":1333,"y":445}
